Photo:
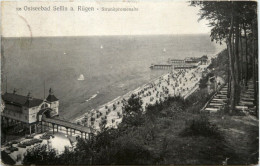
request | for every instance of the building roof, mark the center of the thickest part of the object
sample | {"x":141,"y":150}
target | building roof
{"x":20,"y":100}
{"x":51,"y":98}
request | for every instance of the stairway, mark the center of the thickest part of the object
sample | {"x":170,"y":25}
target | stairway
{"x":246,"y":103}
{"x":218,"y":101}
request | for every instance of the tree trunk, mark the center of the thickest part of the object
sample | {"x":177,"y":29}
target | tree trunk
{"x":246,"y":54}
{"x":231,"y":68}
{"x":237,"y":63}
{"x":232,"y":79}
{"x":229,"y":78}
{"x":236,"y":51}
{"x":255,"y":65}
{"x":241,"y":56}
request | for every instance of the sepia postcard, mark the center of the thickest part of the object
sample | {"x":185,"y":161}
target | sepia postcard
{"x":130,"y":82}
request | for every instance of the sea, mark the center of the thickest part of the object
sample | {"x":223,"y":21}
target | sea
{"x":111,"y":66}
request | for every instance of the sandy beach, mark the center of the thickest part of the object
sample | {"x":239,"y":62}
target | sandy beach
{"x":180,"y":82}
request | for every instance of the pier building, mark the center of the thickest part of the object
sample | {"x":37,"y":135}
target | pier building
{"x":190,"y":60}
{"x":187,"y":63}
{"x":33,"y":113}
{"x":26,"y":109}
{"x":174,"y":61}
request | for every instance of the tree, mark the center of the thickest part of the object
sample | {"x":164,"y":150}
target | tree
{"x":133,"y":111}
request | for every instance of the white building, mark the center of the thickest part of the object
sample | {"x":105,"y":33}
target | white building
{"x":28,"y":110}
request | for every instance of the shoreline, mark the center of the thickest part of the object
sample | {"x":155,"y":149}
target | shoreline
{"x":170,"y":84}
{"x":125,"y":96}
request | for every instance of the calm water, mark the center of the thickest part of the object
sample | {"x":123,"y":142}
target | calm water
{"x":121,"y":65}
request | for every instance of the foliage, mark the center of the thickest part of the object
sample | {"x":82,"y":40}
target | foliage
{"x":220,"y":64}
{"x":40,"y":155}
{"x":129,"y":152}
{"x":202,"y":127}
{"x":204,"y":80}
{"x":192,"y":103}
{"x":133,"y":106}
{"x":167,"y":108}
{"x":124,"y":151}
{"x":133,"y":111}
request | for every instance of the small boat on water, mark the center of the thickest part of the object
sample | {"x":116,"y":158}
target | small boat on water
{"x":101,"y":47}
{"x":81,"y":77}
{"x":164,"y":50}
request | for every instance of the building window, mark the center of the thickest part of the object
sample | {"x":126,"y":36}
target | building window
{"x":44,"y":106}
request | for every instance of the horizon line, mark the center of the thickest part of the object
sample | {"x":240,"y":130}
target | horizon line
{"x":107,"y":35}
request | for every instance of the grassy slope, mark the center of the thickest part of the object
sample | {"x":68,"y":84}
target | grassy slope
{"x":241,"y":135}
{"x":238,"y":143}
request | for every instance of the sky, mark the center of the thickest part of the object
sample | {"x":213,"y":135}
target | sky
{"x":152,"y":18}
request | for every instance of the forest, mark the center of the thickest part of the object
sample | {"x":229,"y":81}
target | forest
{"x":234,"y":24}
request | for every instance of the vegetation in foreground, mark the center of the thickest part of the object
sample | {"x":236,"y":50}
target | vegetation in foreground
{"x":171,"y":132}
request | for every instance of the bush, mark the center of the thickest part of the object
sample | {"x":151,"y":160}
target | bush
{"x":129,"y":152}
{"x":167,"y":108}
{"x":194,"y":105}
{"x":204,"y":80}
{"x":40,"y":155}
{"x":200,"y":126}
{"x":165,"y":123}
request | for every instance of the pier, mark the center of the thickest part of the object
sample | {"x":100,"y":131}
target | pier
{"x":162,"y":66}
{"x":185,"y":66}
{"x":173,"y":66}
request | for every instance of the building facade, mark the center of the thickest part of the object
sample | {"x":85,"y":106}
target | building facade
{"x":28,"y":110}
